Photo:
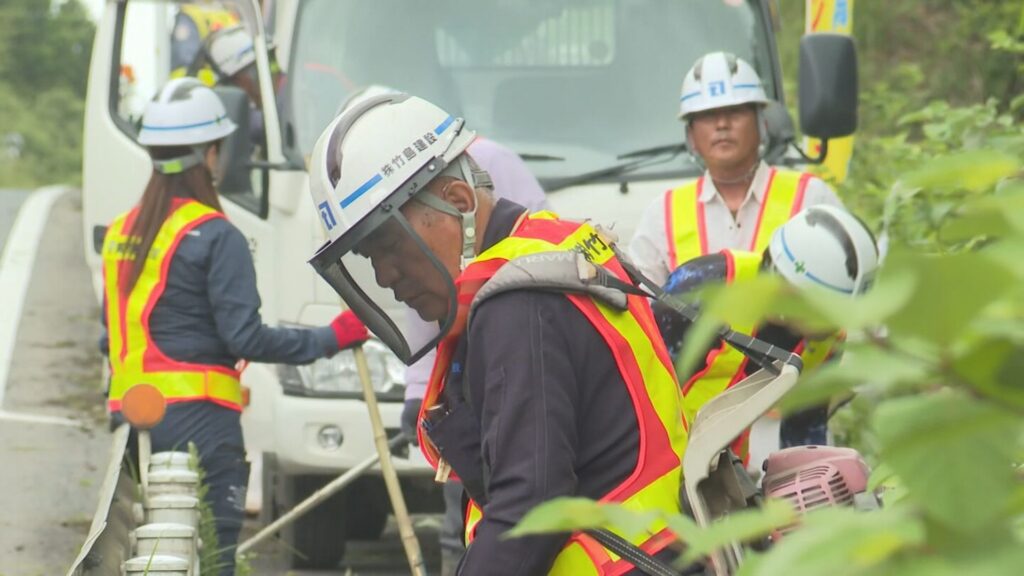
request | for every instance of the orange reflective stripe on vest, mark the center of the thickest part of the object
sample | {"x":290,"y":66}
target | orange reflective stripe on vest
{"x":645,"y":367}
{"x":685,"y":224}
{"x":134,"y":357}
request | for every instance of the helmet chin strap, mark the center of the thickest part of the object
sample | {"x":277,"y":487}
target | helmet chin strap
{"x":466,"y":219}
{"x":181,"y":163}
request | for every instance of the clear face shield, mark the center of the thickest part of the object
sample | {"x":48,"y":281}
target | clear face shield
{"x":389,"y":275}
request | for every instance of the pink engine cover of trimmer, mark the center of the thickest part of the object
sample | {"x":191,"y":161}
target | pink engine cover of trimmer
{"x":815,"y":476}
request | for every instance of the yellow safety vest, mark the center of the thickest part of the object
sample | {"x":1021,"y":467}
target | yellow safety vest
{"x":134,"y":356}
{"x":685,"y":225}
{"x":725,"y":366}
{"x":643,"y":363}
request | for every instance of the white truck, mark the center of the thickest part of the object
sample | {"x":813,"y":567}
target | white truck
{"x":586,"y":91}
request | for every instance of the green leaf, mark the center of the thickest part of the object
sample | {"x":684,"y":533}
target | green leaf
{"x":862,"y":364}
{"x":737,"y":305}
{"x":975,"y":170}
{"x":572,"y":514}
{"x":1009,"y":253}
{"x":840,"y":542}
{"x":998,"y":215}
{"x":892,"y":291}
{"x":951,"y":290}
{"x":745,"y":303}
{"x":740,"y":527}
{"x":993,"y":367}
{"x":952,"y":452}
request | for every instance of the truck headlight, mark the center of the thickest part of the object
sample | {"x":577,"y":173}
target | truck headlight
{"x":337,"y":377}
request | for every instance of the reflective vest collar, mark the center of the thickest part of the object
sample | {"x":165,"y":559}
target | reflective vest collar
{"x":134,"y":356}
{"x":685,"y":219}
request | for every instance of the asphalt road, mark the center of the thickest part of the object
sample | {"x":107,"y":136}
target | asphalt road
{"x":49,"y":470}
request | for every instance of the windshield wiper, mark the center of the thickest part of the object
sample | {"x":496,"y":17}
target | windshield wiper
{"x":526,"y":156}
{"x":641,"y":159}
{"x":609,"y":172}
{"x":655,"y":151}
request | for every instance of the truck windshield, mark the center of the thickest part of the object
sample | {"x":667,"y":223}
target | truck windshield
{"x":569,"y":84}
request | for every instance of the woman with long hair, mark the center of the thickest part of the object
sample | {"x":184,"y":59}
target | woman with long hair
{"x":181,"y":308}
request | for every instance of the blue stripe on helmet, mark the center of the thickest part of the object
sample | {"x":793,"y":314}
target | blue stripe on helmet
{"x":735,"y":86}
{"x":808,"y":275}
{"x":826,"y":284}
{"x":360,"y":191}
{"x":686,"y":97}
{"x":216,"y":120}
{"x":444,"y":125}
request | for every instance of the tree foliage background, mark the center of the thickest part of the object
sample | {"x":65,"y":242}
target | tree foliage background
{"x":44,"y":64}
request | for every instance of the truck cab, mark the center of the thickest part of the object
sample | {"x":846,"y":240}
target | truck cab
{"x":586,"y":91}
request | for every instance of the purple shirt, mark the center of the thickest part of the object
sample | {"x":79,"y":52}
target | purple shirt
{"x":512,"y":181}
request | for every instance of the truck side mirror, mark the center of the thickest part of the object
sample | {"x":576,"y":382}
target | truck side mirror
{"x":828,"y":85}
{"x":236,"y":149}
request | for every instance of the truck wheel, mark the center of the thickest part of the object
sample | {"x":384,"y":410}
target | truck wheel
{"x":317,"y":539}
{"x":367,"y":509}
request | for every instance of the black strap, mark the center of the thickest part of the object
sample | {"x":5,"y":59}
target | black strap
{"x":633,"y":554}
{"x":758,"y":351}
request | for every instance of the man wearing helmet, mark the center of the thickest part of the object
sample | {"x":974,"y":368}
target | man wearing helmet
{"x":739,"y":200}
{"x":230,"y":53}
{"x":534,"y":366}
{"x":822,"y":246}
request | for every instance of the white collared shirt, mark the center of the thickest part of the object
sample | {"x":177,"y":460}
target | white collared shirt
{"x":649,"y":247}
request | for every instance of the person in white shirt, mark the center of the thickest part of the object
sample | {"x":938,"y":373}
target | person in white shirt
{"x":739,"y":200}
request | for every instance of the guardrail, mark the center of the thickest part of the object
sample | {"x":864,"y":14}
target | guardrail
{"x":108,"y":544}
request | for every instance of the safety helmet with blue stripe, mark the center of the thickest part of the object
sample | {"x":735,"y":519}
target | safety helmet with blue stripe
{"x":378,"y":155}
{"x":230,"y":50}
{"x":719,"y":80}
{"x":827,"y":247}
{"x":184,"y":113}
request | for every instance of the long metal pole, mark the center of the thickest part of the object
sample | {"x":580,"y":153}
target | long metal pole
{"x":405,"y":530}
{"x":314,"y":499}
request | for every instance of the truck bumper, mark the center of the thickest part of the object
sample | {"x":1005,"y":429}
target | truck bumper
{"x":298,"y":423}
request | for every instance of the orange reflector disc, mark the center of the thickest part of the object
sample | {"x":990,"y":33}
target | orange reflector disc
{"x":143,"y":406}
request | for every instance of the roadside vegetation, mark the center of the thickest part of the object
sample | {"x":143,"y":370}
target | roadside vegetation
{"x":44,"y":63}
{"x":932,"y":370}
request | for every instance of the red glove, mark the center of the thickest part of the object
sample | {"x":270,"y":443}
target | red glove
{"x":349,"y":330}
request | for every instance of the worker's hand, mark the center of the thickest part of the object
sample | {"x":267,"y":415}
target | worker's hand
{"x":349,"y":330}
{"x":410,"y":414}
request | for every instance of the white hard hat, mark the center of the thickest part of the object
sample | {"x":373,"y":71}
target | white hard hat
{"x":718,"y":80}
{"x":231,"y":50}
{"x":365,"y":93}
{"x":184,"y":113}
{"x":379,"y":154}
{"x":825,"y":246}
{"x":373,"y":151}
